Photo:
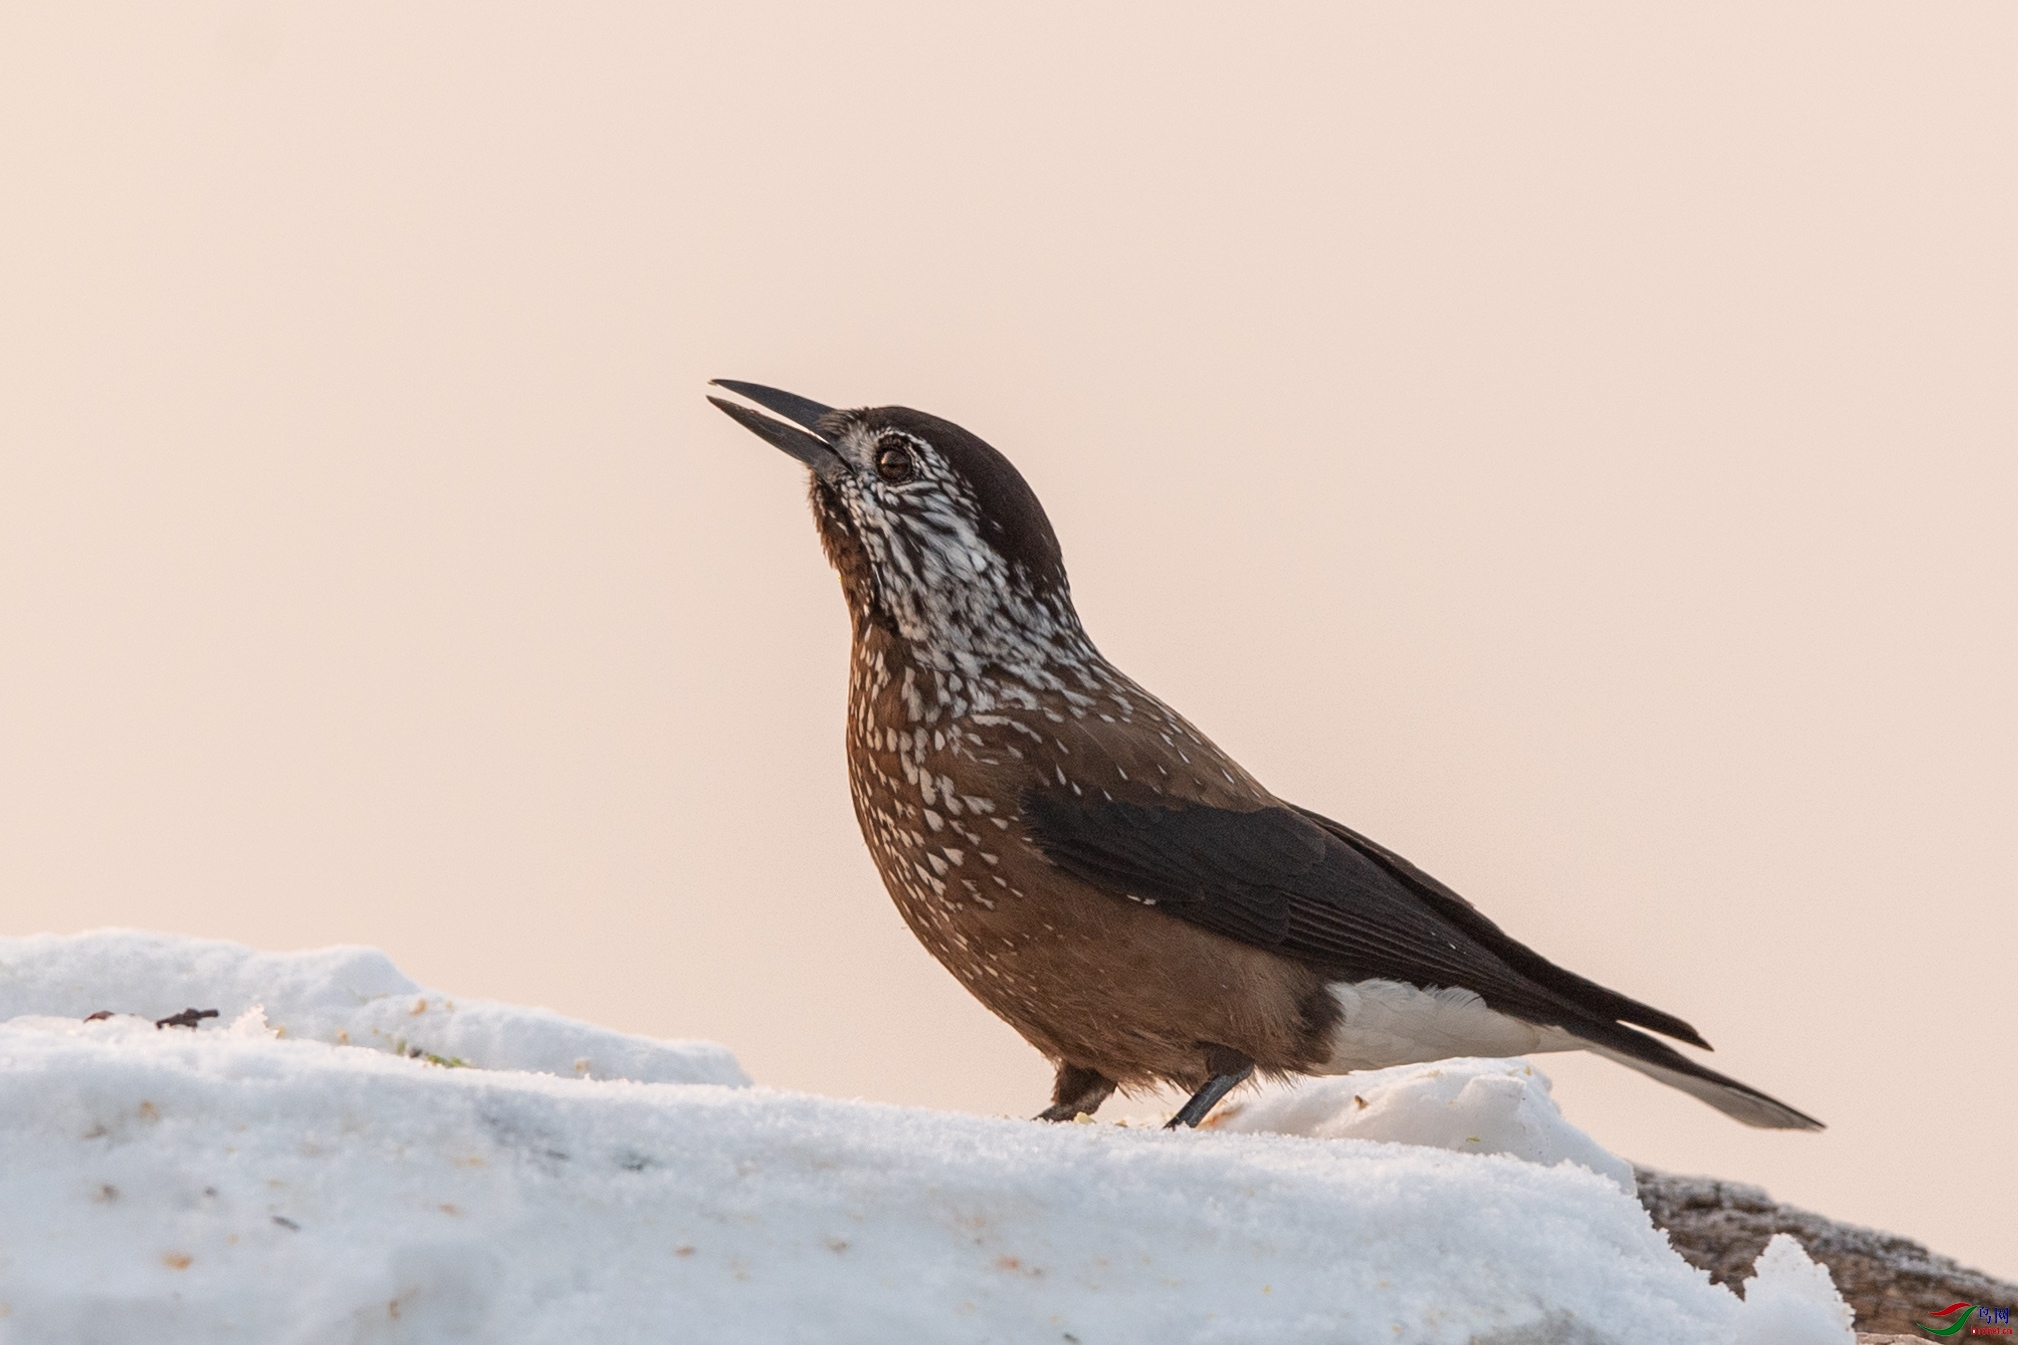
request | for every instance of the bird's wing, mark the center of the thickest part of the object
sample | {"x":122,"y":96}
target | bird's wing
{"x":1288,"y":881}
{"x":1275,"y":878}
{"x":1178,"y":822}
{"x":1468,"y":918}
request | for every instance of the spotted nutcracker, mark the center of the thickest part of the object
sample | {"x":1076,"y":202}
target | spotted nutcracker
{"x":1090,"y":866}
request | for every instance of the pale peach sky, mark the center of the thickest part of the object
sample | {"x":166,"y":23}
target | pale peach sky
{"x":1573,"y":444}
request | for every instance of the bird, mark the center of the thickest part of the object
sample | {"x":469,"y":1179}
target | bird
{"x":1090,"y":866}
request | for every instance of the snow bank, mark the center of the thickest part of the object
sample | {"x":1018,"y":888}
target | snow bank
{"x":225,"y":1184}
{"x":347,"y":996}
{"x":1467,"y":1106}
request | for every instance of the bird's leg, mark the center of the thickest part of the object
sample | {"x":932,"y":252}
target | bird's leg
{"x":1228,"y":1068}
{"x":1078,"y":1090}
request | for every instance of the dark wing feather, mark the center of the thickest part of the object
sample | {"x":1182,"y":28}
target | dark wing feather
{"x":1293,"y":883}
{"x":1519,"y":956}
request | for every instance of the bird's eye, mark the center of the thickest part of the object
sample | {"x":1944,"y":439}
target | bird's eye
{"x":894,"y":464}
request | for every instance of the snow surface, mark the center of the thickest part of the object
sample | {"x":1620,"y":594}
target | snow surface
{"x":346,"y":996}
{"x":229,"y":1184}
{"x":1468,"y":1106}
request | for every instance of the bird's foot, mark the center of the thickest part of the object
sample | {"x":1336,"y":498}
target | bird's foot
{"x":1229,"y":1068}
{"x":1079,"y":1092}
{"x":1059,"y":1111}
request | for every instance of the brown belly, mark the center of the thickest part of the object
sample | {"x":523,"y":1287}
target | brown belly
{"x":1088,"y":978}
{"x":1106,"y":983}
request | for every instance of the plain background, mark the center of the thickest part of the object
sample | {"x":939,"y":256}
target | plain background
{"x":1571,"y":443}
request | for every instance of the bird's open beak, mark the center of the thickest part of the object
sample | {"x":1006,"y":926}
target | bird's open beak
{"x":815,"y":449}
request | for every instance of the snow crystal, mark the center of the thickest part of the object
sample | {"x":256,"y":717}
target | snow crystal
{"x":346,"y":996}
{"x":227,"y":1184}
{"x":1468,"y":1106}
{"x":1787,"y":1291}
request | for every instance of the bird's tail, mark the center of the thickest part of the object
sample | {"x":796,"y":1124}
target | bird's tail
{"x":1739,"y":1101}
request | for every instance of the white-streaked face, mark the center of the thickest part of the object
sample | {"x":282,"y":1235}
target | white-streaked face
{"x":935,"y":568}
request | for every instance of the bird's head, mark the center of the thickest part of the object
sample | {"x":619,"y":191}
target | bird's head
{"x":937,"y":537}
